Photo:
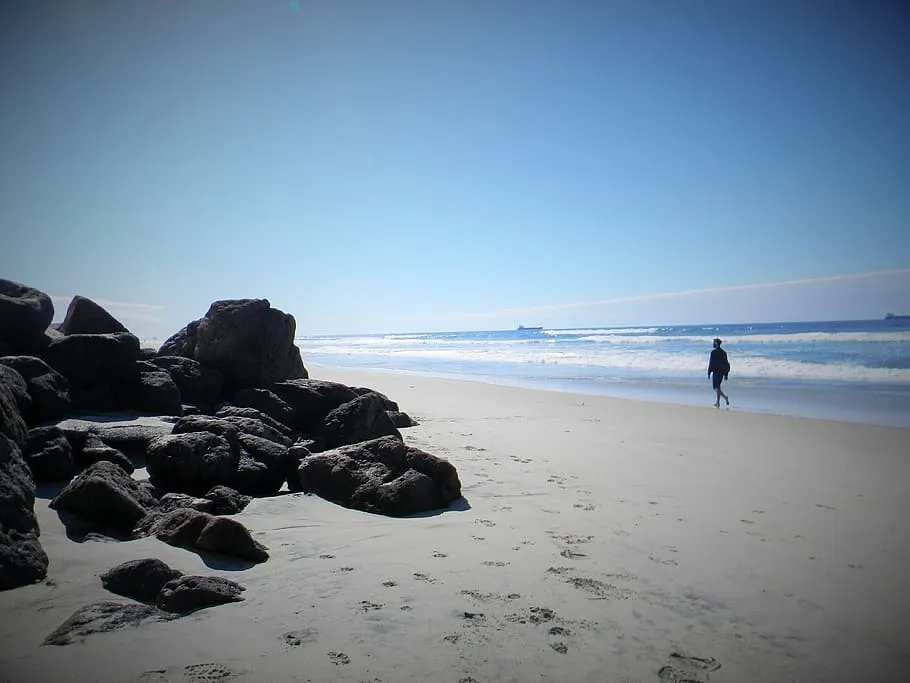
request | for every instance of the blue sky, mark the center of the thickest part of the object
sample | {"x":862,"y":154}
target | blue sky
{"x":393,"y":165}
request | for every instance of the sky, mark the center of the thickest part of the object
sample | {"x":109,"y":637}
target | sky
{"x":430,"y":165}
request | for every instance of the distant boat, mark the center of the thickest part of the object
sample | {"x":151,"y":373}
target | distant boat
{"x":522,"y":328}
{"x":891,"y":316}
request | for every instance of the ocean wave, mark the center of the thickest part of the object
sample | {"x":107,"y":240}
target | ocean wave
{"x":901,"y":337}
{"x":602,"y":330}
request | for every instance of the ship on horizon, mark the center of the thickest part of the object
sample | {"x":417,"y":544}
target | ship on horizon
{"x":522,"y":328}
{"x":892,"y":316}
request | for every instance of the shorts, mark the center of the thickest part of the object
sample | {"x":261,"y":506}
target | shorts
{"x":716,"y":379}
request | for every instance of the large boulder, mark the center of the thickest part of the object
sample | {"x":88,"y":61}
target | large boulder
{"x":174,"y":501}
{"x":156,"y":392}
{"x":383,"y":476}
{"x":140,"y":580}
{"x":191,"y":462}
{"x":105,"y":498}
{"x":13,"y":398}
{"x":48,"y":389}
{"x":253,"y":413}
{"x":133,"y":439}
{"x":101,"y":368}
{"x":311,"y":400}
{"x":201,"y":531}
{"x":267,"y":402}
{"x":93,"y":450}
{"x":84,"y":316}
{"x":226,"y":501}
{"x":250,"y":342}
{"x":362,"y":419}
{"x":189,"y":593}
{"x":198,"y":383}
{"x":22,"y":559}
{"x":25,"y":313}
{"x":49,"y":455}
{"x":181,"y":343}
{"x":264,"y":466}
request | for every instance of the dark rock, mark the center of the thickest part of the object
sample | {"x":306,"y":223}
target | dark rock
{"x":201,"y":531}
{"x":256,"y":427}
{"x":106,"y":497}
{"x":250,"y":342}
{"x":140,"y":580}
{"x":174,"y":501}
{"x":387,"y":403}
{"x":266,"y":402}
{"x":157,"y":393}
{"x":226,"y":501}
{"x":13,"y":397}
{"x":311,"y":400}
{"x":191,"y":462}
{"x":49,"y":455}
{"x":400,"y":419}
{"x":182,"y":343}
{"x":102,"y":617}
{"x":191,"y":409}
{"x":93,"y":362}
{"x":254,"y":414}
{"x":133,"y":440}
{"x":22,"y":559}
{"x":49,"y":390}
{"x":263,"y":468}
{"x":95,"y":450}
{"x":95,"y":399}
{"x":362,"y":419}
{"x":84,"y":316}
{"x":382,"y":476}
{"x":25,"y":313}
{"x":147,"y":354}
{"x":198,"y":383}
{"x":189,"y":593}
{"x":230,"y":425}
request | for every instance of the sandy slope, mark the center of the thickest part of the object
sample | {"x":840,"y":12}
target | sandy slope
{"x":599,"y":538}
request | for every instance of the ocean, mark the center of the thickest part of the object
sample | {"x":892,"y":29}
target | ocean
{"x":854,"y":371}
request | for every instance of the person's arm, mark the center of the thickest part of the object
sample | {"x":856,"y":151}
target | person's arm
{"x":711,"y":363}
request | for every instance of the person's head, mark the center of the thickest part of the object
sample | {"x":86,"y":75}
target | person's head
{"x":717,"y":343}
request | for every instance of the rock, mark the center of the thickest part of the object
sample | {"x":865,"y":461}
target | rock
{"x":140,"y":580}
{"x":102,"y":617}
{"x":190,"y":593}
{"x":253,"y":413}
{"x":400,"y":419}
{"x":311,"y":400}
{"x":226,"y":501}
{"x":106,"y":497}
{"x":48,"y":389}
{"x":250,"y":342}
{"x":49,"y":455}
{"x":84,"y":316}
{"x":201,"y":531}
{"x":133,"y":439}
{"x":13,"y":397}
{"x":255,"y":426}
{"x":22,"y":559}
{"x":362,"y":419}
{"x":191,"y":462}
{"x":95,"y":450}
{"x":266,"y":402}
{"x":382,"y":476}
{"x":387,"y":403}
{"x":25,"y":313}
{"x":182,"y":343}
{"x":229,"y":426}
{"x":156,"y":393}
{"x":174,"y":501}
{"x":147,"y":354}
{"x":263,"y":468}
{"x":99,"y":367}
{"x":198,"y":383}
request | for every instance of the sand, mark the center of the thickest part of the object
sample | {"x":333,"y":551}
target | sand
{"x":601,"y":539}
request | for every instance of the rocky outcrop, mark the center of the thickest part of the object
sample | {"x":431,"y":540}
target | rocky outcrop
{"x":140,"y":580}
{"x":311,"y":400}
{"x":382,"y":476}
{"x":181,"y":343}
{"x":49,"y":455}
{"x":25,"y":313}
{"x":362,"y":419}
{"x":226,"y":501}
{"x":133,"y":440}
{"x":192,"y":462}
{"x":156,"y":392}
{"x":22,"y":559}
{"x":48,"y":389}
{"x":190,"y":593}
{"x":14,"y":399}
{"x":201,"y":531}
{"x":84,"y":316}
{"x":198,"y":384}
{"x":106,"y":499}
{"x":93,"y":450}
{"x":266,"y":402}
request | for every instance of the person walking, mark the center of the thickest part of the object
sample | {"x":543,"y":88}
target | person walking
{"x":719,"y":370}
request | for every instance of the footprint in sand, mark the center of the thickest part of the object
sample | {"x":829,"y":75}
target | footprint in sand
{"x":570,"y":554}
{"x":342,"y":570}
{"x":389,"y":583}
{"x":687,"y":669}
{"x":485,"y":522}
{"x":587,"y":507}
{"x":423,"y":577}
{"x":327,"y":556}
{"x":825,"y":507}
{"x":365,"y":606}
{"x":671,"y":563}
{"x":297,"y":638}
{"x":338,"y":658}
{"x":436,"y":553}
{"x":561,"y":648}
{"x":491,"y":563}
{"x":207,"y":673}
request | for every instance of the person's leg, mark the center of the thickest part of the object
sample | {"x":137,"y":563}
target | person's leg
{"x":715,"y":382}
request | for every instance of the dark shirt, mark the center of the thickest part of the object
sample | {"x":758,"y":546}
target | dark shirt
{"x":719,"y":364}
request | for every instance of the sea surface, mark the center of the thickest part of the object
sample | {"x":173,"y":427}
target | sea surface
{"x":855,"y":371}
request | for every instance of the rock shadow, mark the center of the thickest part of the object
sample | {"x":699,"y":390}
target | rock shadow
{"x":460,"y":505}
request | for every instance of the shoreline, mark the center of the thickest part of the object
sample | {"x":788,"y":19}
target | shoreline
{"x":881,"y":405}
{"x":599,"y":539}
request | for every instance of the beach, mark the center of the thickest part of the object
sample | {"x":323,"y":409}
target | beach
{"x":600,"y":539}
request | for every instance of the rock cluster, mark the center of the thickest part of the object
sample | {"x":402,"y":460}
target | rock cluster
{"x":240,"y":417}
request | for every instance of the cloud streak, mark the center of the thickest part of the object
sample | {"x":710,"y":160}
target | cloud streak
{"x":122,"y":310}
{"x":663,"y":296}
